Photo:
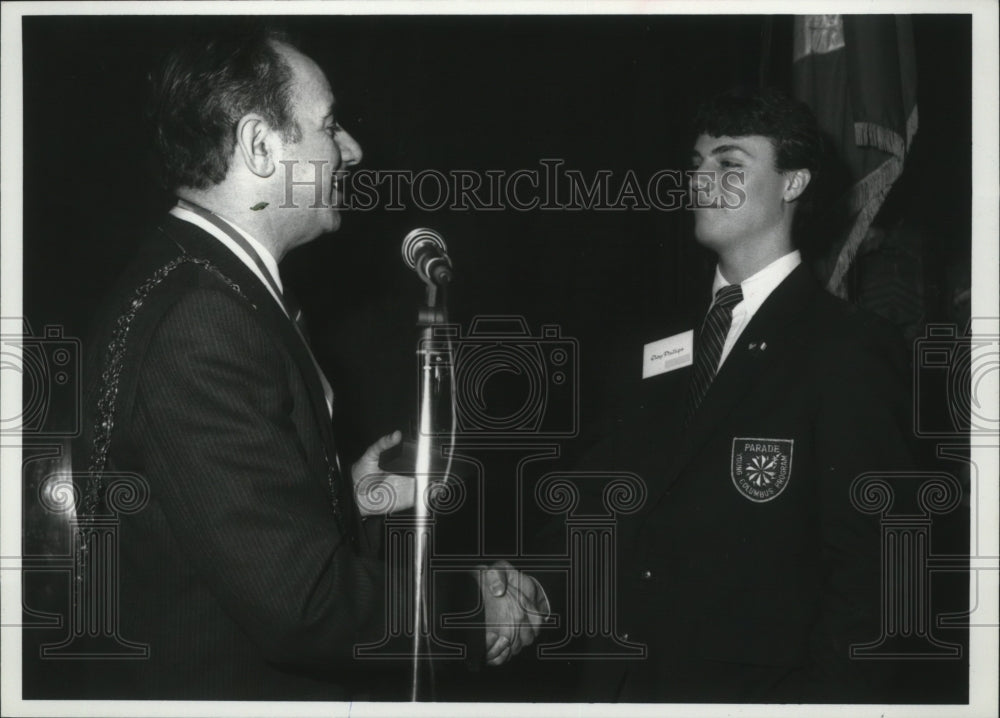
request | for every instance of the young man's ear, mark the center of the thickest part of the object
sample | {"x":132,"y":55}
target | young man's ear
{"x":796,"y":182}
{"x":255,"y":145}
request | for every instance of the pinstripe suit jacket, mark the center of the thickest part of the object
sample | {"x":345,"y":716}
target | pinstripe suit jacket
{"x":239,"y":574}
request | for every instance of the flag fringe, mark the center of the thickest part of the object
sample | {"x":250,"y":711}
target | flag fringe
{"x":869,"y":134}
{"x":875,"y":185}
{"x":864,"y":198}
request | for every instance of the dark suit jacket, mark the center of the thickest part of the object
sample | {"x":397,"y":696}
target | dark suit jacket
{"x":744,"y":596}
{"x":238,"y":574}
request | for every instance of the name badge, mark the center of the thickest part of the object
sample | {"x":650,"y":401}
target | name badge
{"x":665,"y":355}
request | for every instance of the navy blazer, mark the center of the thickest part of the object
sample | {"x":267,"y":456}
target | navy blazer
{"x":749,"y":572}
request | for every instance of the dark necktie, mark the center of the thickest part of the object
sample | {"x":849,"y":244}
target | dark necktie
{"x":711,"y":339}
{"x":295,"y":313}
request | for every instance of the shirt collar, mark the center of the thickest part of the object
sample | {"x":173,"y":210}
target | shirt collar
{"x":265,"y":256}
{"x":759,"y":286}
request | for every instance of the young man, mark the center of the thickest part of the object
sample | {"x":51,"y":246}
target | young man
{"x":749,"y":574}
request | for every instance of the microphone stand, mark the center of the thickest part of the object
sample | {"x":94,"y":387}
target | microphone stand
{"x":432,"y":366}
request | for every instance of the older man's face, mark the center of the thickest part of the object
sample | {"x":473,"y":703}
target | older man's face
{"x":324,"y":148}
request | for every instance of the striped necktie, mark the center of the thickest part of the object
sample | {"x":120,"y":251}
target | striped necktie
{"x":711,"y":339}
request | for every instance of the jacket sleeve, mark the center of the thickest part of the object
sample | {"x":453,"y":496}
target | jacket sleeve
{"x":228,"y":468}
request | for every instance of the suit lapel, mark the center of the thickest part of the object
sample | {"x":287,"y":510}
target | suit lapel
{"x":197,"y":243}
{"x":773,"y":324}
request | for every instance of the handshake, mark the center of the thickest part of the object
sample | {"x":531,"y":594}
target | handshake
{"x":515,"y":605}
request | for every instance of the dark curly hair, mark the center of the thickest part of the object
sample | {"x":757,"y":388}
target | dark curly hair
{"x":789,"y":123}
{"x":794,"y":132}
{"x":202,"y":89}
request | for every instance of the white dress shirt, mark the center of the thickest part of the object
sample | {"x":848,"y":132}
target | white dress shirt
{"x":756,"y":289}
{"x":269,"y":262}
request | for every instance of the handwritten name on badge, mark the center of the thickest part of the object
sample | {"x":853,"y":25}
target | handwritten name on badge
{"x":665,"y":355}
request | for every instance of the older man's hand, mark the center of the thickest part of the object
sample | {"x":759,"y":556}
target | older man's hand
{"x":377,"y":491}
{"x":516,"y":606}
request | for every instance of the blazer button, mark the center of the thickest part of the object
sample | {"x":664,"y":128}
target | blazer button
{"x":647,"y":574}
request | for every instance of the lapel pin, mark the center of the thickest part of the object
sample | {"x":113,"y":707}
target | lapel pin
{"x":753,"y":346}
{"x":763,"y":346}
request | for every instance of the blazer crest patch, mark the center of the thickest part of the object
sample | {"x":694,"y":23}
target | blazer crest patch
{"x":761,"y":468}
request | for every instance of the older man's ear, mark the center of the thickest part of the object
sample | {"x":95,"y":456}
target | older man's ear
{"x":256,"y":145}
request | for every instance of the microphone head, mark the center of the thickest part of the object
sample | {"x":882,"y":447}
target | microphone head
{"x":437,"y":269}
{"x":418,"y":239}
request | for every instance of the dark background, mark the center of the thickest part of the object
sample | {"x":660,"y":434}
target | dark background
{"x":447,"y":93}
{"x":450,"y":93}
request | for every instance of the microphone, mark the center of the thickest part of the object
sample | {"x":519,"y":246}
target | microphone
{"x":425,"y":252}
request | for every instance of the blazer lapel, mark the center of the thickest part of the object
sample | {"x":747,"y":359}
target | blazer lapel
{"x":773,"y":324}
{"x":197,"y":243}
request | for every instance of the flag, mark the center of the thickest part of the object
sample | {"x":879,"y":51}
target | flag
{"x":858,"y":74}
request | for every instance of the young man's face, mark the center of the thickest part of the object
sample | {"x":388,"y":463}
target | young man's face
{"x":746,"y":195}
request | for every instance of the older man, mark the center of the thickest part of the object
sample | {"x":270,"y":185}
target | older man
{"x":252,"y":573}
